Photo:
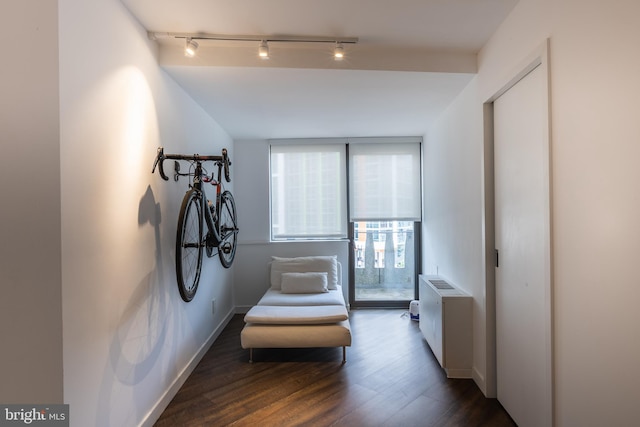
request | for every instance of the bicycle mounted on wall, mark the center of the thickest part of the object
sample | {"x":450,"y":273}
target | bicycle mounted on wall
{"x":201,"y":222}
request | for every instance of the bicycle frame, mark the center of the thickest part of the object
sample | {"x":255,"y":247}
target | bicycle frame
{"x":205,"y":209}
{"x":198,"y":179}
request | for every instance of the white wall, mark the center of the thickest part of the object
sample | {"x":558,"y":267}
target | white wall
{"x":452,"y":227}
{"x":30,"y":304}
{"x":596,"y":205}
{"x":254,"y":252}
{"x":128,"y":336}
{"x":596,"y":235}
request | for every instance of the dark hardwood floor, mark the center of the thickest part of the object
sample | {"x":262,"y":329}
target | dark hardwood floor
{"x":391,"y":378}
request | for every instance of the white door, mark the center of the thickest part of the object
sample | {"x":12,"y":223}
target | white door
{"x":523,"y":313}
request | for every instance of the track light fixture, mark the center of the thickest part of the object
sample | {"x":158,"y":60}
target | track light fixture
{"x":338,"y":52}
{"x":191,"y":45}
{"x":263,"y":50}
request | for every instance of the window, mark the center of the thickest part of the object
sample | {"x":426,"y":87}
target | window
{"x":309,"y":201}
{"x":308,"y":191}
{"x":384,"y":182}
{"x":309,"y":186}
{"x":385,"y":207}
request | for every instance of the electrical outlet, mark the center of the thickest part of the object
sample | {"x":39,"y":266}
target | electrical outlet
{"x":213,"y":306}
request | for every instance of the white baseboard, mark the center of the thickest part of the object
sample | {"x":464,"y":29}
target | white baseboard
{"x":458,"y":373}
{"x":157,"y":410}
{"x":480,"y":382}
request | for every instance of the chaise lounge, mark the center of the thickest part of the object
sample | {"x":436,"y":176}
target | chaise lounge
{"x":303,"y":308}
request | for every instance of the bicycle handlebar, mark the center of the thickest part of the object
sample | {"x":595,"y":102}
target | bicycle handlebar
{"x":161,"y":157}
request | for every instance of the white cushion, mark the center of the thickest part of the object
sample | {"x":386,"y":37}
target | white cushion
{"x":304,"y":283}
{"x":306,"y":315}
{"x":328,"y":264}
{"x":275,"y":297}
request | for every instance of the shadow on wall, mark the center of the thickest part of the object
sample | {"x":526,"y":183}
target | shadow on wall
{"x":141,"y":333}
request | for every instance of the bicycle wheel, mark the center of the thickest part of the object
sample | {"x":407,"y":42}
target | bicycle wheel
{"x":228,"y":229}
{"x":189,"y":245}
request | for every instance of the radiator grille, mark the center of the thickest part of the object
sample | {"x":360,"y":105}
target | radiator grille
{"x":440,"y":284}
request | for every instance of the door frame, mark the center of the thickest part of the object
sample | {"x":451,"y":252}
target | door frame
{"x":538,"y":58}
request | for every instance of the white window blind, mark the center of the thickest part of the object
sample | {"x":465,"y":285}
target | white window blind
{"x":308,"y":191}
{"x":384,"y":182}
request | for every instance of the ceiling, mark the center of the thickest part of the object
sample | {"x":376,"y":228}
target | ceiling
{"x":412,"y":59}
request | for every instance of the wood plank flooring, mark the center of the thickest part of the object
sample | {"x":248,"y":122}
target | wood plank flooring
{"x":391,"y":378}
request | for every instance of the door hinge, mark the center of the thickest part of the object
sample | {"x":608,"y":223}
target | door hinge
{"x":497,"y":258}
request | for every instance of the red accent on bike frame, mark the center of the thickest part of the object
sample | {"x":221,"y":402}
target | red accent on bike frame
{"x":207,"y":178}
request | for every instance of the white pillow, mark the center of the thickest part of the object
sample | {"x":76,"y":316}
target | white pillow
{"x":304,"y":283}
{"x":328,"y":264}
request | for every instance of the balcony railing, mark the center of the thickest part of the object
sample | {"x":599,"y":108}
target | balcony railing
{"x":386,"y":273}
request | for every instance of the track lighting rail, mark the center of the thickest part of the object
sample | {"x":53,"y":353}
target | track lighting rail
{"x":154,"y":35}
